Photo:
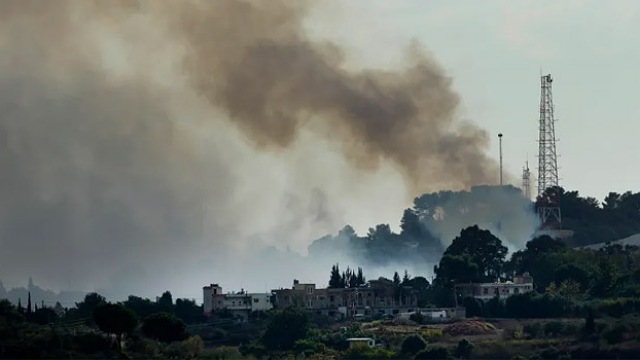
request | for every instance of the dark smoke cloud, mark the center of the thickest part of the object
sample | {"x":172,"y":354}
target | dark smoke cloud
{"x":254,"y":60}
{"x":114,"y":172}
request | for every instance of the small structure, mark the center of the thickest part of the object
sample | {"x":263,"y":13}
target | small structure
{"x":241,"y":303}
{"x":361,"y":342}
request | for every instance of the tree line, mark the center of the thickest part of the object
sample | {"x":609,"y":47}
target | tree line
{"x":421,"y":238}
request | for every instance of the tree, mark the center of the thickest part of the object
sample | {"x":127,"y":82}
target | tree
{"x":285,"y":328}
{"x":142,"y":307}
{"x":86,"y":307}
{"x":165,"y":302}
{"x":483,"y":248}
{"x":188,"y":311}
{"x":360,"y":279}
{"x":29,"y":303}
{"x":164,"y":327}
{"x":406,"y":278}
{"x":396,"y":279}
{"x":115,"y":319}
{"x":335,"y":279}
{"x":458,"y":269}
{"x":413,"y":344}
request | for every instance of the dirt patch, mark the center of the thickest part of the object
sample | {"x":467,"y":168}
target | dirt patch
{"x":468,"y":328}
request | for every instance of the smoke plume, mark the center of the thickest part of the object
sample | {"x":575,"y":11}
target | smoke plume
{"x":142,"y":141}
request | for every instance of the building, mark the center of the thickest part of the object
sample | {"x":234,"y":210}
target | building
{"x":378,"y":297}
{"x":241,"y":303}
{"x":361,"y":342}
{"x":486,"y":291}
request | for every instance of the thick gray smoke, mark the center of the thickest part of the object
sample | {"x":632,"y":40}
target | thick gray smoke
{"x":147,"y":143}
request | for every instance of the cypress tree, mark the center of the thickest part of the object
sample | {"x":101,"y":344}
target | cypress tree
{"x":29,"y":303}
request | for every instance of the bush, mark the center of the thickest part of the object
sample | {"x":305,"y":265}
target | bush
{"x":191,"y":348}
{"x":431,"y":335}
{"x":464,"y":349}
{"x":553,"y":328}
{"x":365,"y":353}
{"x":309,"y":347}
{"x":164,"y":327}
{"x":434,"y":352}
{"x":222,"y":353}
{"x":533,"y":330}
{"x":413,"y":344}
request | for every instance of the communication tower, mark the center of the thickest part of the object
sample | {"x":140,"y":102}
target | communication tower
{"x":548,"y":198}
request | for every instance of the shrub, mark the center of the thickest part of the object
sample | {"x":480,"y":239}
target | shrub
{"x":365,"y":353}
{"x":432,"y":352}
{"x":464,"y":349}
{"x":222,"y":353}
{"x":534,"y":330}
{"x":432,"y":335}
{"x":553,"y":328}
{"x":308,"y":347}
{"x":413,"y":344}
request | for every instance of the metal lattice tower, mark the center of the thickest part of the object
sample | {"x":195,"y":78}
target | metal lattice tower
{"x":548,"y":201}
{"x":526,"y":181}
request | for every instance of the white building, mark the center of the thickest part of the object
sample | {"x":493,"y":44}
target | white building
{"x":487,"y":291}
{"x":240,"y":303}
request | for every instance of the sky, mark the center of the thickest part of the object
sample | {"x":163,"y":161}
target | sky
{"x":495,"y":50}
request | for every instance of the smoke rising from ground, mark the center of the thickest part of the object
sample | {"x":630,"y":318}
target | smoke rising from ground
{"x":142,"y":141}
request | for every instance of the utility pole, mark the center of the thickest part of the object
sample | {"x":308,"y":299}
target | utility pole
{"x":548,"y":197}
{"x":500,"y":139}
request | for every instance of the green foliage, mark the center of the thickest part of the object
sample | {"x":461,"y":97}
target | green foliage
{"x":431,"y":335}
{"x":164,"y":327}
{"x":308,"y":347}
{"x":412,"y":344}
{"x":285,"y":328}
{"x":463,"y":349}
{"x":365,"y":353}
{"x":433,"y":352}
{"x":115,"y":319}
{"x":190,"y":348}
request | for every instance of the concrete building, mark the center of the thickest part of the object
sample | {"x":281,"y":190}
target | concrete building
{"x":378,"y":297}
{"x":241,"y":303}
{"x":487,"y":291}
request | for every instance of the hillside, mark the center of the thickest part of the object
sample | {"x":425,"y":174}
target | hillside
{"x":633,"y":240}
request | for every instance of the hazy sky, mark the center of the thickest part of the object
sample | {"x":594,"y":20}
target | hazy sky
{"x":494,"y":50}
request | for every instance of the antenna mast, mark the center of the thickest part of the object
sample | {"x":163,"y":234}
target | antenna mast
{"x":548,"y":197}
{"x":500,"y":137}
{"x":526,"y":181}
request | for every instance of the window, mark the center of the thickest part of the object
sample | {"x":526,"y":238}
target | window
{"x":485,"y":291}
{"x":256,"y":300}
{"x":516,"y":291}
{"x":331,"y":298}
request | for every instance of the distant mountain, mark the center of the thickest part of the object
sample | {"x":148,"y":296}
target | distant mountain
{"x":633,"y":240}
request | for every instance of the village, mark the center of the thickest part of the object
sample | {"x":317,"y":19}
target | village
{"x":377,"y":299}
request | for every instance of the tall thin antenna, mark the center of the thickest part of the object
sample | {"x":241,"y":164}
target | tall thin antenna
{"x":526,"y":181}
{"x":548,"y":197}
{"x":500,"y":137}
